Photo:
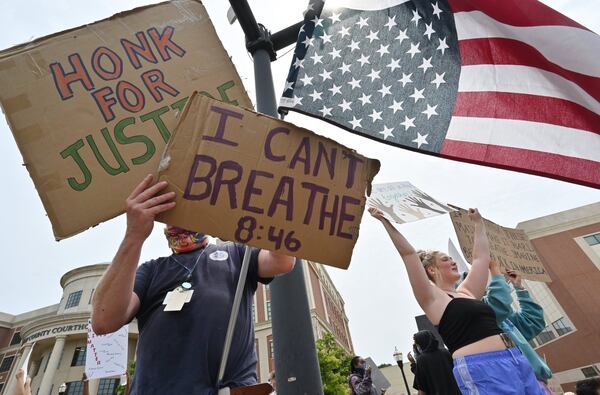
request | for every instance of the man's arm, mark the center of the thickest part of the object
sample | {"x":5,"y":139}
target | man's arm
{"x":271,"y":264}
{"x":115,"y":303}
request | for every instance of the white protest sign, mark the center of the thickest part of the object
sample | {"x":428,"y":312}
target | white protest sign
{"x":106,"y":355}
{"x":26,"y":360}
{"x":457,"y":257}
{"x":403,"y":202}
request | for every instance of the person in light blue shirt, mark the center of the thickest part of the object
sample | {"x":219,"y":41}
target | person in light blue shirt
{"x":521,"y":325}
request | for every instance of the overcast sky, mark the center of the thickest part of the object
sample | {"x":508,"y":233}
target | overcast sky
{"x":379,"y":302}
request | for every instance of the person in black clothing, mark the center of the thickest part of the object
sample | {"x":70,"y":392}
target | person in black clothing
{"x":433,"y":375}
{"x":588,"y":387}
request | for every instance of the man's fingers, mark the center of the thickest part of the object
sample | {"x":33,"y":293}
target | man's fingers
{"x":28,"y":384}
{"x":156,"y":200}
{"x":141,"y":186}
{"x":162,"y":208}
{"x":150,"y":192}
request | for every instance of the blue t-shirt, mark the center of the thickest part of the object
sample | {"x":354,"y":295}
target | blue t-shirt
{"x":179,"y":352}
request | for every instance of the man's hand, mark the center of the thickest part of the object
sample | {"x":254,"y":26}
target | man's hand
{"x":514,"y":279}
{"x":143,"y":205}
{"x":23,"y":386}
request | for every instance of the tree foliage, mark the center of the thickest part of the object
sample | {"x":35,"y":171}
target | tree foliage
{"x":335,"y":365}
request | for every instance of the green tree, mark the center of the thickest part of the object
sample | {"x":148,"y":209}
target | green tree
{"x":335,"y":364}
{"x":131,"y":372}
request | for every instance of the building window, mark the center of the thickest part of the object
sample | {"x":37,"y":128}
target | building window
{"x":561,"y":326}
{"x":592,"y":240}
{"x":6,"y":364}
{"x":271,"y":349}
{"x":78,"y":357}
{"x":532,"y":343}
{"x":73,"y":299}
{"x":16,"y":339}
{"x":91,"y":296}
{"x":590,"y":371}
{"x":108,"y":386}
{"x":74,"y":388}
{"x":268,"y":310}
{"x":545,"y":336}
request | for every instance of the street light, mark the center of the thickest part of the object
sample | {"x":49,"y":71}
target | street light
{"x":398,"y":358}
{"x":62,"y":388}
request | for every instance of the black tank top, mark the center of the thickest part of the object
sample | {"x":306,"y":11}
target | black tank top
{"x":466,"y":321}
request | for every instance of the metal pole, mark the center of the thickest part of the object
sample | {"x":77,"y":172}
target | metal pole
{"x":296,"y":362}
{"x":401,"y":365}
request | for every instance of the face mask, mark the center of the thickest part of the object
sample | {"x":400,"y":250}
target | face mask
{"x":361,"y":369}
{"x":182,"y":240}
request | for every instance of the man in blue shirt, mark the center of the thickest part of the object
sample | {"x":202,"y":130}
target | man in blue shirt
{"x":182,"y":303}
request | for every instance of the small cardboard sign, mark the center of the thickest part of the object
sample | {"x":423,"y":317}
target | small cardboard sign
{"x":106,"y":355}
{"x":253,"y":179}
{"x":511,"y":248}
{"x":403,"y":202}
{"x":92,"y":108}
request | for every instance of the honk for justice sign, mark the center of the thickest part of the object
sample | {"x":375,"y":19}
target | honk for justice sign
{"x":92,"y":108}
{"x":250,"y":178}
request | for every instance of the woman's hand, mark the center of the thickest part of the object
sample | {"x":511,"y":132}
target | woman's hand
{"x":377,"y":213}
{"x":514,"y":278}
{"x":494,"y":268}
{"x":474,"y":215}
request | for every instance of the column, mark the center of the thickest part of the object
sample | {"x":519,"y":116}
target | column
{"x":48,"y":378}
{"x":93,"y":386}
{"x":12,"y":381}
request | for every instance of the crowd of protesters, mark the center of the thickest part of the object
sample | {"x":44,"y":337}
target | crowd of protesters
{"x":486,"y":339}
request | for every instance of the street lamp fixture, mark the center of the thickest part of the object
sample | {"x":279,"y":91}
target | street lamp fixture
{"x":398,"y":358}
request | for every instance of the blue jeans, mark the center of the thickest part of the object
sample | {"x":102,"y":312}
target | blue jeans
{"x":505,"y":372}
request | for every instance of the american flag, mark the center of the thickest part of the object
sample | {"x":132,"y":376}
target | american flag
{"x":505,"y":83}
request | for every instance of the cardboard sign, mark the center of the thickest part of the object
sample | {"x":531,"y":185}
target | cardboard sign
{"x":403,"y":202}
{"x":92,"y":108}
{"x":253,"y":179}
{"x":511,"y":248}
{"x":106,"y":355}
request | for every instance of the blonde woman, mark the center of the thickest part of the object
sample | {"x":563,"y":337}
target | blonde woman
{"x":485,"y":360}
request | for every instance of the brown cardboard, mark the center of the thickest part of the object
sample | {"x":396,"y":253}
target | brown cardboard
{"x":509,"y":247}
{"x":282,"y":183}
{"x":57,"y":126}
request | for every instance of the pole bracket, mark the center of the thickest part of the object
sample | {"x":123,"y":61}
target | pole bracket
{"x":263,"y":42}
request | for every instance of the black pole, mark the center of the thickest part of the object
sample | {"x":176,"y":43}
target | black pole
{"x":401,"y":365}
{"x":296,"y":362}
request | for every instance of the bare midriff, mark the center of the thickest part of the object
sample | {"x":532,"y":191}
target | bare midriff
{"x":490,"y":343}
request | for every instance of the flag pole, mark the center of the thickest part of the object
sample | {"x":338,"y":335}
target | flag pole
{"x":296,"y":363}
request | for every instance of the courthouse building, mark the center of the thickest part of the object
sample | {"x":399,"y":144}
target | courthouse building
{"x":58,"y":333}
{"x":568,"y":243}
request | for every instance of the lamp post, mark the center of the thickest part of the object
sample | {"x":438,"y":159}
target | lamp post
{"x":62,"y":388}
{"x":398,"y":358}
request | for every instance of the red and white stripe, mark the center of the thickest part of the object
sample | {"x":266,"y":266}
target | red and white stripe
{"x":529,"y":91}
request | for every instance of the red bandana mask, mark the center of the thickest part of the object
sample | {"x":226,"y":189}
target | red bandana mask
{"x":182,"y":240}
